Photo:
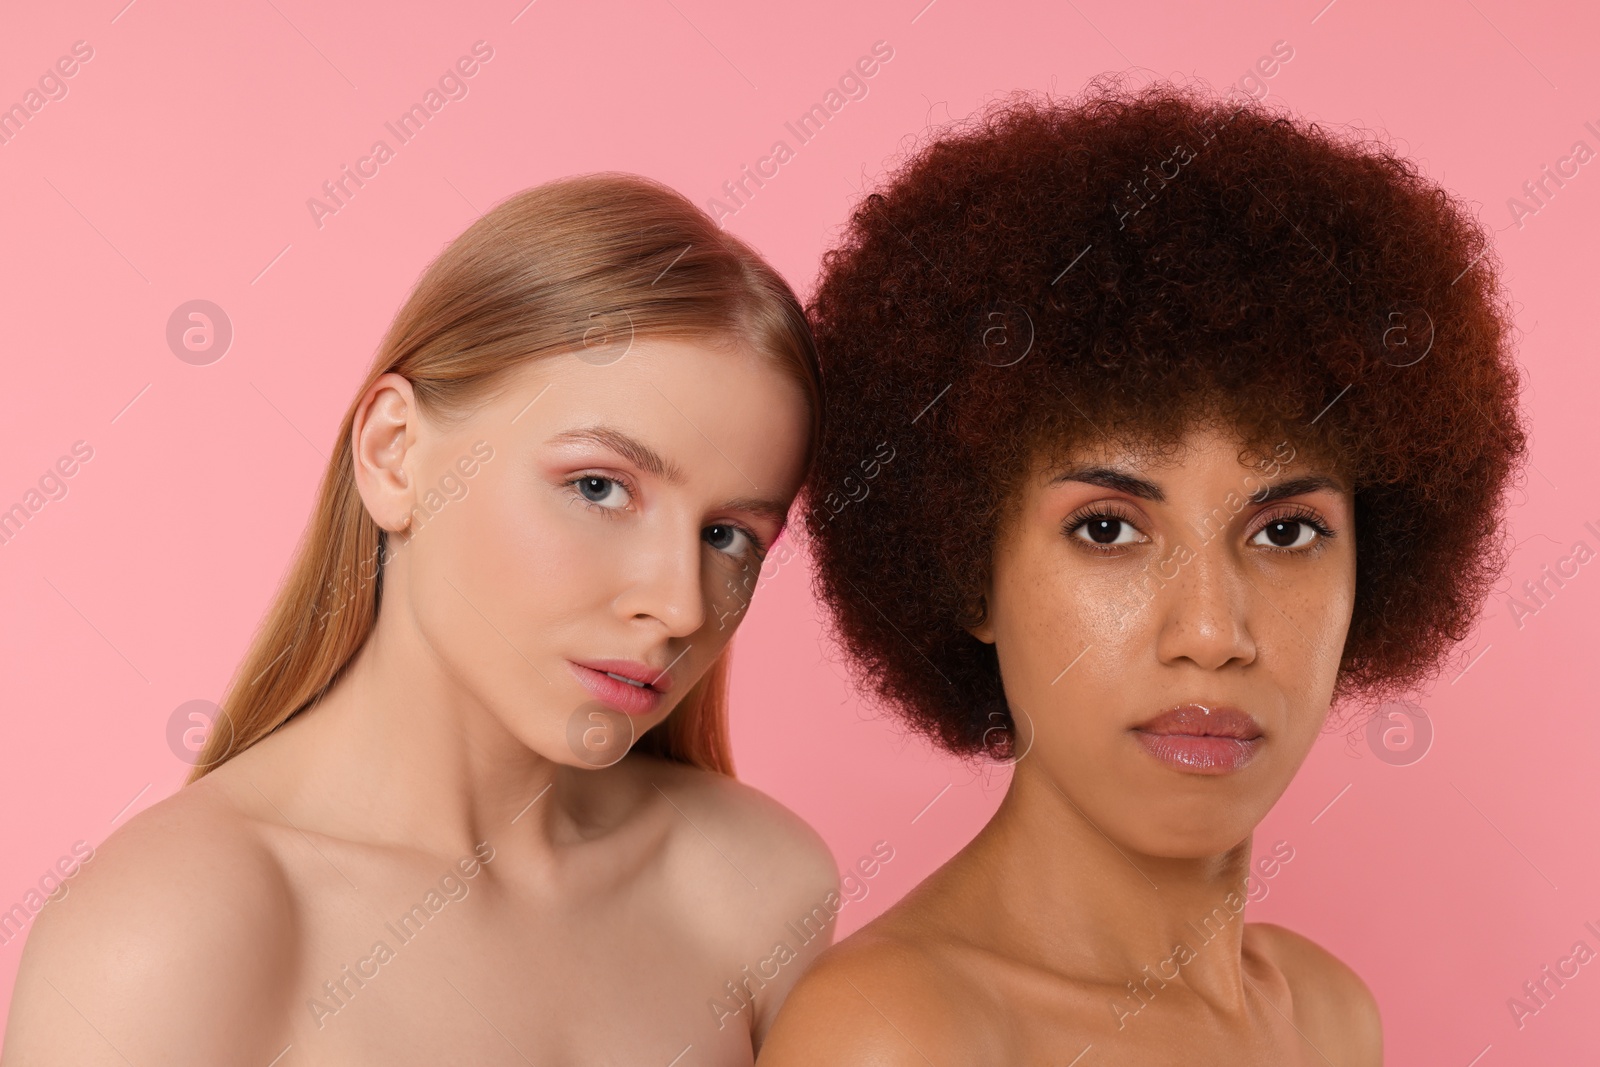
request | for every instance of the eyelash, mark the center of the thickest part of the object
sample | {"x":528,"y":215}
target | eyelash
{"x":759,"y":547}
{"x":1296,"y":513}
{"x":1083,"y":516}
{"x":1303,"y":514}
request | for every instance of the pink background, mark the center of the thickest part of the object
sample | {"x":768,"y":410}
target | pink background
{"x":178,"y":167}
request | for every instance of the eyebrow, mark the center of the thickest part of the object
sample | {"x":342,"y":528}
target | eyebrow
{"x":1109,"y":478}
{"x":1309,"y":483}
{"x":652,"y":462}
{"x":1133,"y":485}
{"x":767,"y":509}
{"x":633,"y":450}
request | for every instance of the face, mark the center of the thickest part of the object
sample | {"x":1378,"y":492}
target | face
{"x":1169,"y":632}
{"x":581,"y":547}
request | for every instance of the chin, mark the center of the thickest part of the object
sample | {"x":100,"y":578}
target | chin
{"x":1187,"y":828}
{"x":1200,"y":844}
{"x":537,"y":730}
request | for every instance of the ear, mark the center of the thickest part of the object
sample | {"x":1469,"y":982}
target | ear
{"x":983,"y":629}
{"x":382,"y":439}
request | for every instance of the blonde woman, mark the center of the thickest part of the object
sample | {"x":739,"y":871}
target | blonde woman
{"x":469,"y":797}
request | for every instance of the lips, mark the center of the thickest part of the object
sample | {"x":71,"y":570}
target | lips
{"x":1201,"y":738}
{"x":629,"y":686}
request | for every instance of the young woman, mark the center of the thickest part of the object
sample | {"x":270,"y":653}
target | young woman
{"x":469,"y":798}
{"x":1202,"y":421}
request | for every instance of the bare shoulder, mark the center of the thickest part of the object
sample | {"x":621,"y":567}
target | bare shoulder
{"x":763,"y":843}
{"x":879,"y":999}
{"x":182,"y":914}
{"x":1330,"y":1000}
{"x":757,"y":880}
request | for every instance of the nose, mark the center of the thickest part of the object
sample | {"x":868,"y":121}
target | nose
{"x":665,"y":583}
{"x":1205,"y":612}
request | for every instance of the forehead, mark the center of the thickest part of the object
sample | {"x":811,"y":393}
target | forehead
{"x":719,"y":372}
{"x":708,"y":407}
{"x":1146,"y":452}
{"x":1207,"y":447}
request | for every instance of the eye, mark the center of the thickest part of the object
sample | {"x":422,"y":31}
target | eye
{"x":1292,"y":533}
{"x":730,"y":539}
{"x":602,"y":492}
{"x":1102,"y":527}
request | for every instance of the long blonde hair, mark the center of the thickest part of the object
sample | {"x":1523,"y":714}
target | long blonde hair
{"x":583,"y":263}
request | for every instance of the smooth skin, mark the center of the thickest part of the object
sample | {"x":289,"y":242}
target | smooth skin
{"x":577,"y":913}
{"x":1100,"y":857}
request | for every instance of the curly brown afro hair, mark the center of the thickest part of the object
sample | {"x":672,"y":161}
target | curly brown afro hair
{"x":1126,"y":263}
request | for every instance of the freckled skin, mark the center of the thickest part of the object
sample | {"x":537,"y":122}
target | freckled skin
{"x":1240,"y":621}
{"x":1106,"y":608}
{"x":615,"y":903}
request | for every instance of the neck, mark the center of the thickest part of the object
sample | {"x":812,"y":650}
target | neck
{"x":1078,"y":902}
{"x":399,"y":751}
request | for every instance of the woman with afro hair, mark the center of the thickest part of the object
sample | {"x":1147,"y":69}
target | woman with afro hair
{"x":1202,"y":419}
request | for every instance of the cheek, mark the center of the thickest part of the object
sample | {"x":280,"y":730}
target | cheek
{"x":728,"y":589}
{"x":1309,"y":651}
{"x":496,"y":575}
{"x":1310,"y":641}
{"x":1063,"y":644}
{"x":729,"y":586}
{"x":1052,"y":617}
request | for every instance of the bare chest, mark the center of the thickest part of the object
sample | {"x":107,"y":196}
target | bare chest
{"x":459,"y":970}
{"x":1048,"y":1021}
